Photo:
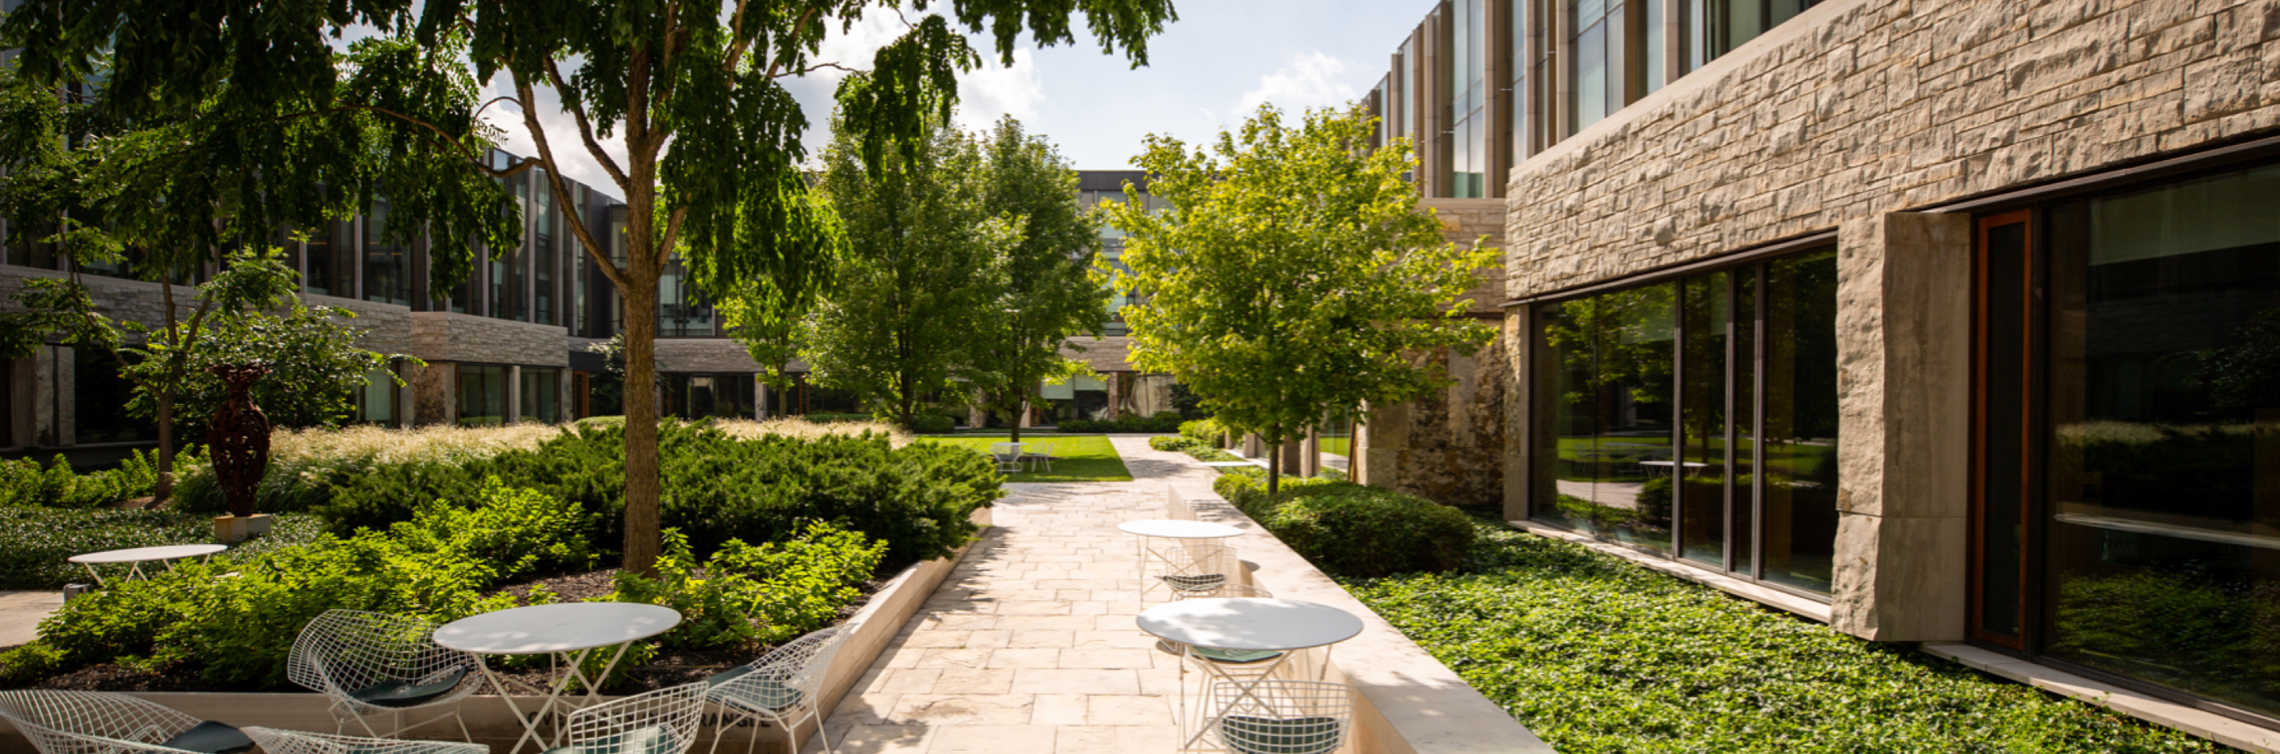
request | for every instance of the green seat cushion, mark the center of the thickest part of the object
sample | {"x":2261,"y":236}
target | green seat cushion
{"x":1266,"y":735}
{"x":1202,"y":582}
{"x":764,"y":693}
{"x":1236,"y":656}
{"x":212,"y":738}
{"x":410,"y":693}
{"x":655,"y":739}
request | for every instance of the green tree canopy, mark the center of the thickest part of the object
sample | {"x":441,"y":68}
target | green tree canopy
{"x":915,"y":282}
{"x":1042,"y":284}
{"x":1294,"y":273}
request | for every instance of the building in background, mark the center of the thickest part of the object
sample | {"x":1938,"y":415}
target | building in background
{"x":1935,"y":321}
{"x":511,"y":343}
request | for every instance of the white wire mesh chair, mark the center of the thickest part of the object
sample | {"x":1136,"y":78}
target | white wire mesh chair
{"x":377,"y":663}
{"x":274,"y":741}
{"x":781,"y":688}
{"x":1042,"y":458}
{"x":1007,"y":455}
{"x":101,"y":722}
{"x":1196,"y":567}
{"x":1281,"y":717}
{"x":664,"y":721}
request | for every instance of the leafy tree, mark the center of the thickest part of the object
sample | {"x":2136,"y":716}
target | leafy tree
{"x":1294,"y":274}
{"x":691,"y":91}
{"x":913,"y":285}
{"x":316,"y":368}
{"x":1044,"y":289}
{"x":186,"y":152}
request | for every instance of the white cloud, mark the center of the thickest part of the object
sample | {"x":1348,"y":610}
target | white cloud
{"x":1309,"y":79}
{"x":994,"y":91}
{"x":561,"y":136}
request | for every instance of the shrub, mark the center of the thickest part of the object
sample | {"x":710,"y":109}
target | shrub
{"x":932,"y":424}
{"x":24,"y":481}
{"x":35,"y":540}
{"x":1206,"y":431}
{"x":746,"y":596}
{"x":836,"y":418}
{"x":1352,"y":530}
{"x":236,"y":631}
{"x":1161,"y":421}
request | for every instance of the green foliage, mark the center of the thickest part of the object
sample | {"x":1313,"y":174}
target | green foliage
{"x":836,"y":418}
{"x":23,"y":481}
{"x":1206,"y":430}
{"x":1162,"y":421}
{"x":1278,"y":312}
{"x":746,"y":596}
{"x":1595,"y":654}
{"x":35,"y":540}
{"x":235,"y":631}
{"x":1042,"y":287}
{"x":316,"y":368}
{"x":932,"y":424}
{"x":1197,"y":449}
{"x":919,"y":499}
{"x":1348,"y":529}
{"x":2188,"y":629}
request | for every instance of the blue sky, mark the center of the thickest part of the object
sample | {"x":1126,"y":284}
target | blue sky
{"x":1207,"y":70}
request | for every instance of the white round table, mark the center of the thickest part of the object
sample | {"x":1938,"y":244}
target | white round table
{"x":570,"y":631}
{"x":1175,"y":529}
{"x":1243,"y":624}
{"x":134,"y":557}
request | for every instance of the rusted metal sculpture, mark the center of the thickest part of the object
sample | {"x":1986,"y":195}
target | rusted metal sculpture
{"x":238,"y":438}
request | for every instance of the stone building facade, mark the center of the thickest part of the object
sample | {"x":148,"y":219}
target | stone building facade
{"x":1919,"y":318}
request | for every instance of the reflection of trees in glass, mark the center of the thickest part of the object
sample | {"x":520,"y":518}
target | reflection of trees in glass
{"x":2189,"y":629}
{"x":1615,"y":339}
{"x":2245,"y":376}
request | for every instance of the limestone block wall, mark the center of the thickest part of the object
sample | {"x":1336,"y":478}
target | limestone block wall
{"x":455,"y":337}
{"x":1448,"y":446}
{"x":1844,"y":120}
{"x":704,"y":355}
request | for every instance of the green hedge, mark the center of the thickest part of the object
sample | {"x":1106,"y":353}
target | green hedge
{"x":1200,"y":451}
{"x":1596,"y":654}
{"x":35,"y":540}
{"x":716,"y":486}
{"x":932,"y":424}
{"x":1161,"y":421}
{"x":1353,"y":530}
{"x":1206,"y":431}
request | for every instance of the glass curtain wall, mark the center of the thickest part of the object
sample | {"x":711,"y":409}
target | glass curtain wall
{"x":541,"y":394}
{"x":1664,"y":401}
{"x":1468,"y":105}
{"x":681,"y":310}
{"x":1596,"y":85}
{"x":543,"y":257}
{"x":2159,"y":509}
{"x":376,"y":403}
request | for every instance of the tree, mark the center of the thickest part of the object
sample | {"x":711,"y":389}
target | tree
{"x":691,"y":93}
{"x":1045,"y":291}
{"x":159,"y":184}
{"x":1293,"y":275}
{"x":913,"y":285}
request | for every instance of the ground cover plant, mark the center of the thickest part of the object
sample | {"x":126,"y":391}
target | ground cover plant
{"x":1076,"y":458}
{"x":35,"y":540}
{"x":1350,"y":529}
{"x":1596,"y":654}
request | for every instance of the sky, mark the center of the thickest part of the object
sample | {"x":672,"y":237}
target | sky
{"x":1207,"y":70}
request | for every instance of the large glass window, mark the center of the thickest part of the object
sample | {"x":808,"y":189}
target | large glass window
{"x":541,"y":395}
{"x":2159,"y":494}
{"x":99,"y":401}
{"x":697,"y":396}
{"x":1662,"y":404}
{"x":482,"y":394}
{"x":322,"y":260}
{"x":681,"y":309}
{"x":1716,"y":27}
{"x":1596,"y":85}
{"x":543,"y":257}
{"x":387,"y":265}
{"x":1468,"y":100}
{"x":1520,"y":96}
{"x":376,"y":403}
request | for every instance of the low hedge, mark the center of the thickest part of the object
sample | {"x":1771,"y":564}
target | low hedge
{"x":932,"y":424}
{"x":1161,"y":421}
{"x":35,"y":540}
{"x":1597,"y":654}
{"x":1183,"y":444}
{"x":1349,"y":529}
{"x":1206,"y":431}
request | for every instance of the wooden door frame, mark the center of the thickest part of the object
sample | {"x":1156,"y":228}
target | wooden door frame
{"x":1982,"y":297}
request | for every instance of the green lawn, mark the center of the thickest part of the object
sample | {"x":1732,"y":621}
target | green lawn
{"x":1340,"y":444}
{"x":1597,"y":654}
{"x":1078,"y":458}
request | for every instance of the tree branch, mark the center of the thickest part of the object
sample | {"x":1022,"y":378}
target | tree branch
{"x":672,"y":235}
{"x":562,"y":192}
{"x":577,"y":110}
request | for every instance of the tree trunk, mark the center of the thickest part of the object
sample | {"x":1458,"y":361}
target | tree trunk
{"x":1020,"y":409}
{"x":642,"y":486}
{"x":1274,"y":470}
{"x":164,"y":488}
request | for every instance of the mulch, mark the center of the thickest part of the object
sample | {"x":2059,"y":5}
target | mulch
{"x":668,"y":668}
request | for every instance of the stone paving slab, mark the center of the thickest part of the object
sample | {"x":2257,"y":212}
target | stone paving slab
{"x":1029,"y":645}
{"x":21,"y":613}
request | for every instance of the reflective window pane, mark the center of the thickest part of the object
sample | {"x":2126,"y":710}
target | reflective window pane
{"x":1799,"y":432}
{"x":1701,"y":473}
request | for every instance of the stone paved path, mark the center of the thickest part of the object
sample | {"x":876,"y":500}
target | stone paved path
{"x":1029,"y":646}
{"x":21,"y":613}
